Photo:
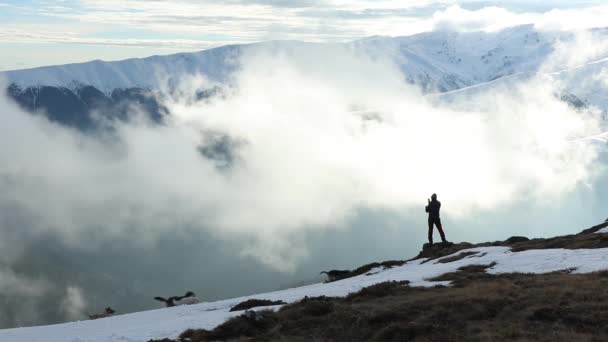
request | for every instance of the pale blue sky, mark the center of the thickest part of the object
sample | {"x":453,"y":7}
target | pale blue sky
{"x":42,"y":32}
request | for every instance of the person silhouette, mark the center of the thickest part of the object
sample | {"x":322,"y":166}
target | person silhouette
{"x":432,"y":208}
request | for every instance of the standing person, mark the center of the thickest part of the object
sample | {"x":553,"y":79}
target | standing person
{"x":433,"y":209}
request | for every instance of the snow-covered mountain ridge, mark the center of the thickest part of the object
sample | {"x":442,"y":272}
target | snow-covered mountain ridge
{"x":446,"y":65}
{"x":582,"y":253}
{"x":437,"y":61}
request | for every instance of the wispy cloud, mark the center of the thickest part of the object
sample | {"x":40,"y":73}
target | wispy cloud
{"x":198,"y":24}
{"x":185,"y":25}
{"x":306,"y":163}
{"x":24,"y":36}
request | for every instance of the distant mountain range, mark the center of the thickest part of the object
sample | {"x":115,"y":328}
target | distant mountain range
{"x":438,"y":62}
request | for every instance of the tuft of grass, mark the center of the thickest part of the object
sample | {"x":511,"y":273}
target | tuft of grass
{"x":466,"y":274}
{"x":376,"y":291}
{"x":456,"y":257}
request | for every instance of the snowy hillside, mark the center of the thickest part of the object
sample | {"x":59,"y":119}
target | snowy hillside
{"x":447,"y":60}
{"x":437,"y":61}
{"x":130,"y":73}
{"x":170,"y":322}
{"x":581,"y":86}
{"x":446,"y":65}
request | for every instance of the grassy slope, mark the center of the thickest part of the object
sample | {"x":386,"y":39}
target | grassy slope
{"x":478,"y":307}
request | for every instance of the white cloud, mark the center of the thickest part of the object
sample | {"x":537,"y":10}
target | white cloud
{"x":200,"y":24}
{"x":496,"y":18}
{"x":21,"y":296}
{"x":74,"y":303}
{"x":17,"y":285}
{"x":602,"y":77}
{"x":24,"y":34}
{"x":306,"y":162}
{"x":583,"y":48}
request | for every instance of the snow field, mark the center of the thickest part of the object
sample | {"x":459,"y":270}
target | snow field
{"x":170,"y":322}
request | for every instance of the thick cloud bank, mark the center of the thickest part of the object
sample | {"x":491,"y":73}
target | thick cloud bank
{"x":301,"y":141}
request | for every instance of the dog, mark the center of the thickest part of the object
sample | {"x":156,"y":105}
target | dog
{"x":108,"y":312}
{"x":334,"y":275}
{"x":188,"y":299}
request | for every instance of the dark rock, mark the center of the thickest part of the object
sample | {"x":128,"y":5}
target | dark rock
{"x":438,"y":250}
{"x":253,"y":303}
{"x":85,"y":107}
{"x":571,"y":100}
{"x":427,"y":246}
{"x":515,"y":239}
{"x":221,"y":149}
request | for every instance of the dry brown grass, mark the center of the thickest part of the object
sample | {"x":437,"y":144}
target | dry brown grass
{"x":481,"y":307}
{"x":466,"y":274}
{"x":456,"y":257}
{"x":558,"y":306}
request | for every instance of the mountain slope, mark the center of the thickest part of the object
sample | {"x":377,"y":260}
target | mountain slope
{"x":440,"y":60}
{"x":581,"y":86}
{"x":582,"y":253}
{"x":447,"y":60}
{"x":461,"y":65}
{"x":131,"y":73}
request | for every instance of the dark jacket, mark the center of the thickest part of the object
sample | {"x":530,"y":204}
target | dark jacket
{"x":433,"y":209}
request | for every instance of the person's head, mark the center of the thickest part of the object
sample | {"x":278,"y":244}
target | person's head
{"x":434,"y":197}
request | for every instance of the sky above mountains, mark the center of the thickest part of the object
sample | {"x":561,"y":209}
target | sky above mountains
{"x":40,"y":32}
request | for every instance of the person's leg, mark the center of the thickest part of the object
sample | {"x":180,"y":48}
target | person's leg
{"x":430,"y":231}
{"x":440,"y":229}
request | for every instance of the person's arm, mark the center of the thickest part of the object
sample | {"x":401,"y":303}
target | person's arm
{"x":427,"y":206}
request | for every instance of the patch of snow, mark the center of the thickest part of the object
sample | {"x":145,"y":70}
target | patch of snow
{"x":170,"y":322}
{"x":603,"y":230}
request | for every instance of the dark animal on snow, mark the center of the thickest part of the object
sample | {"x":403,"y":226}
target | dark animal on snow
{"x":334,"y":275}
{"x":187,"y":299}
{"x":107,"y":313}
